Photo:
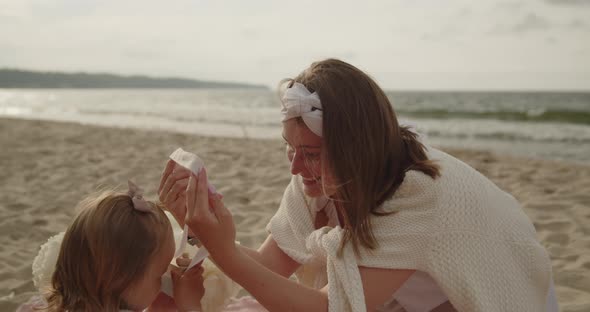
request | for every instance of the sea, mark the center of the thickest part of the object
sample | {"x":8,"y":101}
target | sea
{"x":552,"y":125}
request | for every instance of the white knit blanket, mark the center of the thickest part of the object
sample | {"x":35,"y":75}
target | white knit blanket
{"x":471,"y":237}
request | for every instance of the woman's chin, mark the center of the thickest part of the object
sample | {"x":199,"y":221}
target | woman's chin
{"x":312,"y":190}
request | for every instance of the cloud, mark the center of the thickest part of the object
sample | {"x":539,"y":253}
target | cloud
{"x":250,"y":33}
{"x":578,"y":24}
{"x":142,"y":55}
{"x":551,"y":40}
{"x":262,"y":41}
{"x":13,"y":10}
{"x":464,"y":12}
{"x":509,"y":5}
{"x":569,"y":2}
{"x":532,"y":22}
{"x":529,"y":23}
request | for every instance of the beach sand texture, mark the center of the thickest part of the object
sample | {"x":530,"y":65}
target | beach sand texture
{"x":47,"y":167}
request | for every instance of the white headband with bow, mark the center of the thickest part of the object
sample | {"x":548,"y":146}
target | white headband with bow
{"x":299,"y":102}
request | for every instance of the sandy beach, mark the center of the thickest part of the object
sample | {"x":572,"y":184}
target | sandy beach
{"x":47,"y":167}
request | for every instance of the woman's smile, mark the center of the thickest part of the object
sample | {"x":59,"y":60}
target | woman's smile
{"x":310,"y":182}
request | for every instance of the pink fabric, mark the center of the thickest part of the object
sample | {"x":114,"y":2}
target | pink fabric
{"x":244,"y":304}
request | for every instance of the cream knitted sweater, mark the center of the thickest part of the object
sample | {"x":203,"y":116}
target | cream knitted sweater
{"x":471,"y":237}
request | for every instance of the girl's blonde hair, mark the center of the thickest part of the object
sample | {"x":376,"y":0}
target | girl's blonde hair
{"x":105,"y":250}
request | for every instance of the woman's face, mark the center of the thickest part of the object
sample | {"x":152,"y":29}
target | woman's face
{"x":304,"y":150}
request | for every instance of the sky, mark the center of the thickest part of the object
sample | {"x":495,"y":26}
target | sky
{"x":403,"y":44}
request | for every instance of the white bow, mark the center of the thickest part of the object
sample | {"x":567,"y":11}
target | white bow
{"x":299,"y":102}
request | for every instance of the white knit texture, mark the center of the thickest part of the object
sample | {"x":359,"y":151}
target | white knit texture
{"x":471,"y":237}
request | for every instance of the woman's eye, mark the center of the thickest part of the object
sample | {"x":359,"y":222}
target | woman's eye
{"x":312,"y":156}
{"x":290,"y":151}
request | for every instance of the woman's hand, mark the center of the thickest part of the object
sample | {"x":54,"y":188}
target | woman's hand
{"x":188,"y":288}
{"x":172,"y":190}
{"x":210,"y":220}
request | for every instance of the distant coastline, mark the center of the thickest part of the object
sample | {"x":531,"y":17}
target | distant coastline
{"x":16,"y":78}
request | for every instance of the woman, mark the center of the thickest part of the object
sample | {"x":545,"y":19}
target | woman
{"x":373,"y":219}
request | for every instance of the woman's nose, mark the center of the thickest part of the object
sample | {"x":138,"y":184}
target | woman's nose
{"x":297,"y":164}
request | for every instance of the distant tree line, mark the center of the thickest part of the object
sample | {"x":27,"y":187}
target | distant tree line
{"x":14,"y":78}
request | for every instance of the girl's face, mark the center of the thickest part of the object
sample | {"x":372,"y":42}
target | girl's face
{"x":140,"y":295}
{"x":304,"y":150}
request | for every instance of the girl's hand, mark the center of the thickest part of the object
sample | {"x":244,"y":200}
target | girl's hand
{"x":172,"y":190}
{"x":188,"y":288}
{"x":209,"y":219}
{"x":163,"y":303}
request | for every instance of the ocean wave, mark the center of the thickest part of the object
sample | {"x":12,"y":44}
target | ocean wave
{"x":511,"y":131}
{"x":531,"y":115}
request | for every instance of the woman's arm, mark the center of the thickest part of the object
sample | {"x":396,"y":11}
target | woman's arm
{"x":272,"y":257}
{"x":273,"y":291}
{"x":216,"y":230}
{"x":379,"y":285}
{"x":276,"y":293}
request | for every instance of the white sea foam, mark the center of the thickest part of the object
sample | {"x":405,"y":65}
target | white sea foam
{"x":467,"y":120}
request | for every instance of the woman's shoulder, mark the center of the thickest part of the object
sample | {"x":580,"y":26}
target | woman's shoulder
{"x":460,"y":198}
{"x":457,"y":180}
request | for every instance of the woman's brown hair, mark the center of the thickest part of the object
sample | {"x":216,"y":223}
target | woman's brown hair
{"x":104,"y":251}
{"x":364,"y":147}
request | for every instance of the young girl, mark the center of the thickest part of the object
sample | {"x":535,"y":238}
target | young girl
{"x":113,"y":256}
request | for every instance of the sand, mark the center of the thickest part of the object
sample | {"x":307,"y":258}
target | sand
{"x":47,"y":167}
